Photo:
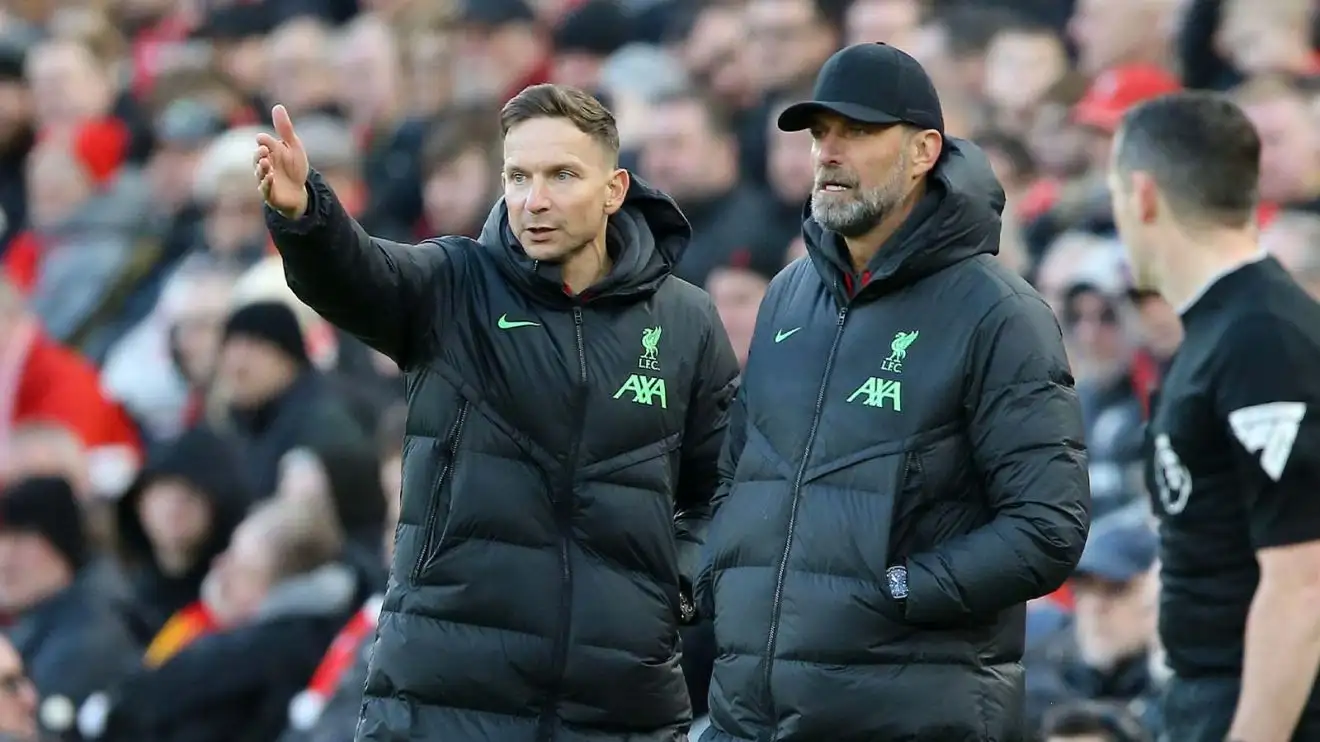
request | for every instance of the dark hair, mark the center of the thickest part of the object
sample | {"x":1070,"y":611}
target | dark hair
{"x":1201,"y":150}
{"x":586,"y":113}
{"x":1108,"y":720}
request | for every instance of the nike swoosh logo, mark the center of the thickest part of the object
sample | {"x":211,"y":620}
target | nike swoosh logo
{"x":506,"y":324}
{"x":781,"y":336}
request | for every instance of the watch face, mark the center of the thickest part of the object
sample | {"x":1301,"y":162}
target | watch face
{"x":897,"y":577}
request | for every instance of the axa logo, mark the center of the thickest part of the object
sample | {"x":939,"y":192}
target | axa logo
{"x":881,"y":392}
{"x":645,"y":388}
{"x":875,"y":392}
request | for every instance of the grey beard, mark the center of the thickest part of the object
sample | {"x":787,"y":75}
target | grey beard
{"x":860,"y":215}
{"x":852,"y":219}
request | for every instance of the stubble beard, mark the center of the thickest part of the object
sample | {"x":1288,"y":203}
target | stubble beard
{"x":856,"y":212}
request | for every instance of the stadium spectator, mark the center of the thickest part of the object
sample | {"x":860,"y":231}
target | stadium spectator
{"x":1105,"y":652}
{"x":275,"y":400}
{"x":174,"y":521}
{"x":226,"y":667}
{"x":71,"y":637}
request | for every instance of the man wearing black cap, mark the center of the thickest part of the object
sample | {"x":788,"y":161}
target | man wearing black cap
{"x":277,"y":401}
{"x":904,"y":468}
{"x":71,"y":637}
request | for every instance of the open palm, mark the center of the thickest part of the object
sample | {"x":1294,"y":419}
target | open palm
{"x":282,"y":167}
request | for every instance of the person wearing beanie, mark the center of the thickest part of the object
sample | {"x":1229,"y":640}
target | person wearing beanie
{"x":276,"y":401}
{"x":72,"y":639}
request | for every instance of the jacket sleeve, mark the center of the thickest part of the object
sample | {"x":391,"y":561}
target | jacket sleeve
{"x":735,"y":439}
{"x":1025,"y":427}
{"x":703,"y":439}
{"x":385,"y":293}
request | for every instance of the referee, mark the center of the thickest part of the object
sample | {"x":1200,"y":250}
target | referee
{"x":1234,"y":437}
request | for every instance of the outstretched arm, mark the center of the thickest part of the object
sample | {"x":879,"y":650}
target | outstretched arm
{"x":389,"y":295}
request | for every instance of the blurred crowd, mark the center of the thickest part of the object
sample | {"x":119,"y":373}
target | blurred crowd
{"x":200,"y":475}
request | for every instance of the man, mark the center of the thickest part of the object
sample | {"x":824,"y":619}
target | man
{"x":567,"y":404}
{"x":65,"y":626}
{"x":1106,"y":652}
{"x":886,"y":516}
{"x":1234,"y":441}
{"x":277,"y":401}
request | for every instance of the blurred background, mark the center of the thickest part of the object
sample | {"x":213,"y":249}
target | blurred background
{"x":200,"y":476}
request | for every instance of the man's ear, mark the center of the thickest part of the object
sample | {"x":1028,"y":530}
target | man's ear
{"x":1146,"y":195}
{"x":925,"y":147}
{"x":618,"y":186}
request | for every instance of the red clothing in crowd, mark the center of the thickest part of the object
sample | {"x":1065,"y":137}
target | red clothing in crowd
{"x":44,"y":382}
{"x":306,"y":707}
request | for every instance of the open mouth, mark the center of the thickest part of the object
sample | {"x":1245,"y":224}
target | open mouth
{"x":540,"y":231}
{"x":830,"y":186}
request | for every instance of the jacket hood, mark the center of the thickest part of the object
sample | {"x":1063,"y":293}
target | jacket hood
{"x":958,"y":218}
{"x":646,"y":238}
{"x":210,"y":466}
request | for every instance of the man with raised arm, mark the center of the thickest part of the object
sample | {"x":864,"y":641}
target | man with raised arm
{"x":567,"y":402}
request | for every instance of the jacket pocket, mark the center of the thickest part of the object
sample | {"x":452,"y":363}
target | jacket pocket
{"x":438,"y":510}
{"x":909,"y":503}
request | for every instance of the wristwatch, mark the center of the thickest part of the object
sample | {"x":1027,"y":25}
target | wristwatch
{"x":898,"y":586}
{"x":687,"y":609}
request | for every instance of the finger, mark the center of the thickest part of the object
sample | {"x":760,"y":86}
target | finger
{"x":284,"y":125}
{"x":267,"y":141}
{"x":266,"y":184}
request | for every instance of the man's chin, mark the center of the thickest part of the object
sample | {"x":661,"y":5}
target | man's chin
{"x":546,"y":252}
{"x":843,"y":219}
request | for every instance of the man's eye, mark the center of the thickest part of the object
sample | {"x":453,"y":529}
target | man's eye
{"x":563,"y":175}
{"x":517,"y":178}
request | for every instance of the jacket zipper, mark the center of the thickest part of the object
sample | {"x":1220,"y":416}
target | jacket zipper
{"x":911,"y":465}
{"x":563,"y":506}
{"x":432,"y":544}
{"x":777,"y":605}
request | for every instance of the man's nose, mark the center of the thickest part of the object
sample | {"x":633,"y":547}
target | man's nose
{"x":537,"y":201}
{"x":827,"y":150}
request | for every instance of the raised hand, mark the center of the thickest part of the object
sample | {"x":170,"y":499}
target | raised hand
{"x":282,"y":167}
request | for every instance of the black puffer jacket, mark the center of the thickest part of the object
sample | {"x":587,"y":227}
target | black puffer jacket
{"x":928,"y":421}
{"x":557,"y":474}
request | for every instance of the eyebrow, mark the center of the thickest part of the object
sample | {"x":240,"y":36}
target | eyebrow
{"x":551,"y":167}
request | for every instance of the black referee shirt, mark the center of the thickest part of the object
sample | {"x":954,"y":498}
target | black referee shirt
{"x":1233,"y":451}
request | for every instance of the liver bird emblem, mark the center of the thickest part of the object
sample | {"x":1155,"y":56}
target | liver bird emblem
{"x":650,"y":341}
{"x":900,"y":345}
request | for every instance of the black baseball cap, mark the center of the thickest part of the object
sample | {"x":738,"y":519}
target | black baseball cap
{"x":872,"y":83}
